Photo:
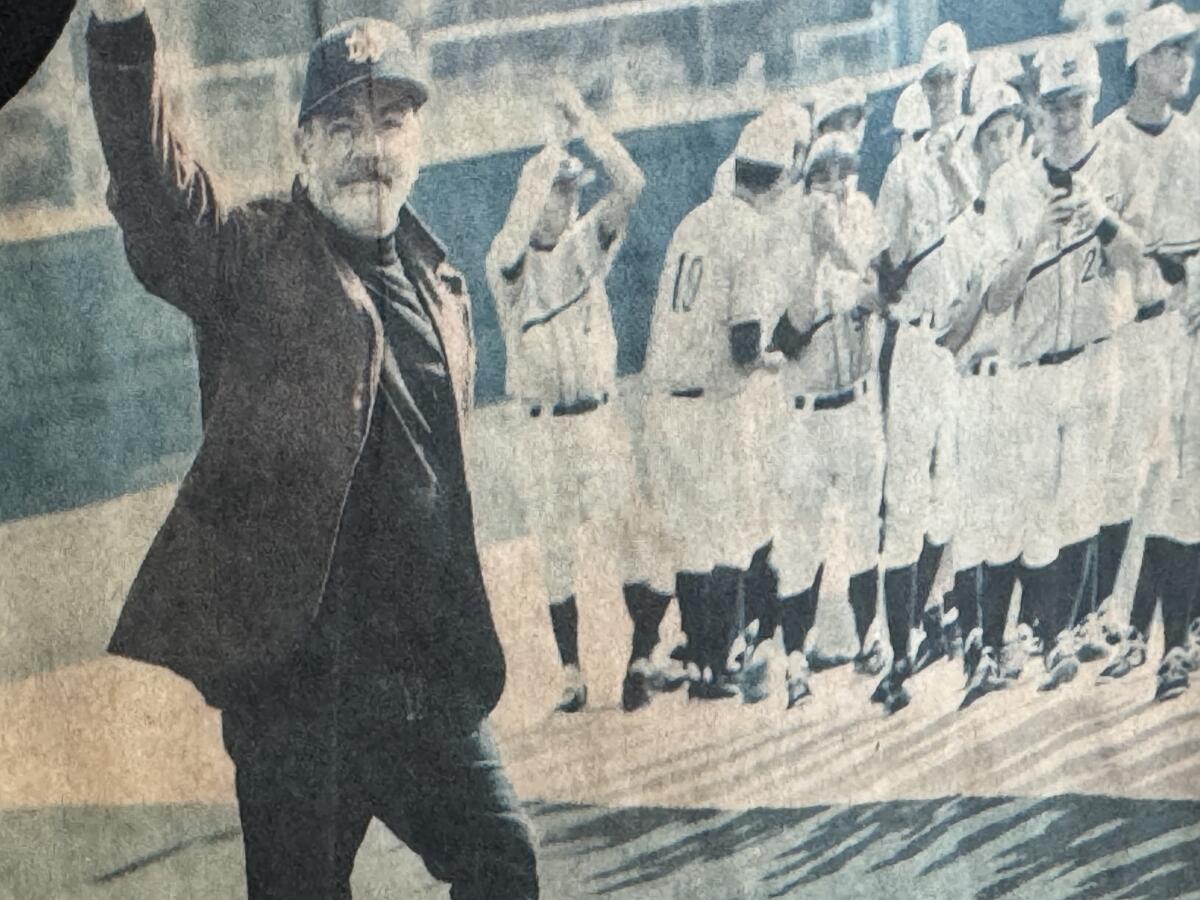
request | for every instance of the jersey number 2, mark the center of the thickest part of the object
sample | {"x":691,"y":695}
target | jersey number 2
{"x":687,"y":282}
{"x":1090,"y":266}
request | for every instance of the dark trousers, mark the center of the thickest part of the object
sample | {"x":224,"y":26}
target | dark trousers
{"x":311,"y":776}
{"x":1170,"y":575}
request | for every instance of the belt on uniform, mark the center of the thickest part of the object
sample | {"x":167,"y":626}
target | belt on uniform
{"x":572,"y":408}
{"x":1152,"y":311}
{"x":836,"y":400}
{"x":693,"y":393}
{"x":1058,"y":357}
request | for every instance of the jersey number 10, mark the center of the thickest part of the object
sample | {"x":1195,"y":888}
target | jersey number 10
{"x":687,"y":282}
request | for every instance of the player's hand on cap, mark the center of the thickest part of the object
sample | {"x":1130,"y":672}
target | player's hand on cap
{"x":116,"y":10}
{"x":569,"y":103}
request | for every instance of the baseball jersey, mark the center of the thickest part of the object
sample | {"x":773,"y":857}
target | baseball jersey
{"x":561,"y":343}
{"x":915,"y":207}
{"x":706,"y":287}
{"x":1073,"y":294}
{"x":1152,"y":190}
{"x":840,"y":350}
{"x":975,"y":250}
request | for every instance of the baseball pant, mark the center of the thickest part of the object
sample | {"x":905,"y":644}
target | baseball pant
{"x":310,"y":777}
{"x":576,"y":469}
{"x":830,"y":458}
{"x":1069,"y":408}
{"x":919,"y":485}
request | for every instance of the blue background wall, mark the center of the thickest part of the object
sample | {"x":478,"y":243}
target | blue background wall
{"x":97,"y":379}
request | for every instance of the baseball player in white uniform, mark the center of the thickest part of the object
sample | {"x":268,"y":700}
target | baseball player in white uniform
{"x":829,"y":454}
{"x":705,"y":386}
{"x":925,"y":188}
{"x":1150,"y":140}
{"x":989,"y":529}
{"x":546,"y":269}
{"x":1069,"y":274}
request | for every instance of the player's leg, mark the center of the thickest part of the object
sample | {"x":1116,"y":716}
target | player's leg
{"x":984,"y":660}
{"x":797,"y":613}
{"x":1179,"y":579}
{"x":863,"y":594}
{"x":1131,"y":653}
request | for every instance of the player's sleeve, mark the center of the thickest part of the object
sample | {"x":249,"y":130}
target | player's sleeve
{"x":891,"y":206}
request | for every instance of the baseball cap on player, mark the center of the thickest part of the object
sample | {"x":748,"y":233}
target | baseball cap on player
{"x":1068,"y":67}
{"x":837,"y":146}
{"x":768,"y":146}
{"x":994,"y":100}
{"x":1164,"y":24}
{"x":911,"y":115}
{"x":827,"y":103}
{"x":945,"y":50}
{"x":356,"y":52}
{"x":996,"y":67}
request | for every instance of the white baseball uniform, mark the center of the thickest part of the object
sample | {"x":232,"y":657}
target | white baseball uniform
{"x":916,"y":206}
{"x":577,"y":465}
{"x":988,"y":422}
{"x":826,"y":470}
{"x":1172,"y":509}
{"x":698,"y":443}
{"x":1144,"y":159}
{"x":1073,"y":301}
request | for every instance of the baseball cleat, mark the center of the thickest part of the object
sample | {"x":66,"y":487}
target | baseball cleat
{"x":870,"y":660}
{"x":933,"y":642}
{"x":897,"y":699}
{"x":1130,"y":655}
{"x":635,"y":693}
{"x":988,"y":677}
{"x":798,"y":691}
{"x":1090,"y":641}
{"x":1172,"y":676}
{"x":574,"y":699}
{"x":1063,"y":670}
{"x":711,"y":690}
{"x":752,"y":681}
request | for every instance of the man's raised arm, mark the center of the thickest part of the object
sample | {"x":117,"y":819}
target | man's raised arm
{"x":163,"y":202}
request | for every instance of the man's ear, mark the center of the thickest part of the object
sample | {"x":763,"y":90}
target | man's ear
{"x":302,"y":140}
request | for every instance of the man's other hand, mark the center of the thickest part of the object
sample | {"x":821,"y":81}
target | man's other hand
{"x":117,"y":10}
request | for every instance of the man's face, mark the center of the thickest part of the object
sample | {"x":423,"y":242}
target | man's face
{"x":999,"y":140}
{"x":1167,"y":69}
{"x":943,"y":93}
{"x":556,"y":214}
{"x":835,"y":179}
{"x":361,"y":157}
{"x":759,"y":184}
{"x":1067,"y":116}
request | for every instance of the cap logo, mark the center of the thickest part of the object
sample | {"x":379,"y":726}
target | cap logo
{"x":364,"y":45}
{"x":1069,"y":68}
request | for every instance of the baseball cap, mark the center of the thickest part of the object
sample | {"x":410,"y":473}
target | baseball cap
{"x":945,"y":48}
{"x":1161,"y":25}
{"x":996,"y":67}
{"x":912,"y":110}
{"x":830,"y":147}
{"x":994,"y":100}
{"x":1071,"y":65}
{"x":827,"y":103}
{"x":772,"y":137}
{"x":358,"y":51}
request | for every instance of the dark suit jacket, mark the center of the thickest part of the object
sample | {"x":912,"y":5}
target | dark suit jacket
{"x":237,"y":571}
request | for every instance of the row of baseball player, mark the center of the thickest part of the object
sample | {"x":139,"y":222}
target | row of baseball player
{"x":989,"y":368}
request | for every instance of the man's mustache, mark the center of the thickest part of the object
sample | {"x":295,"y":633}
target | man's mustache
{"x":366,"y":173}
